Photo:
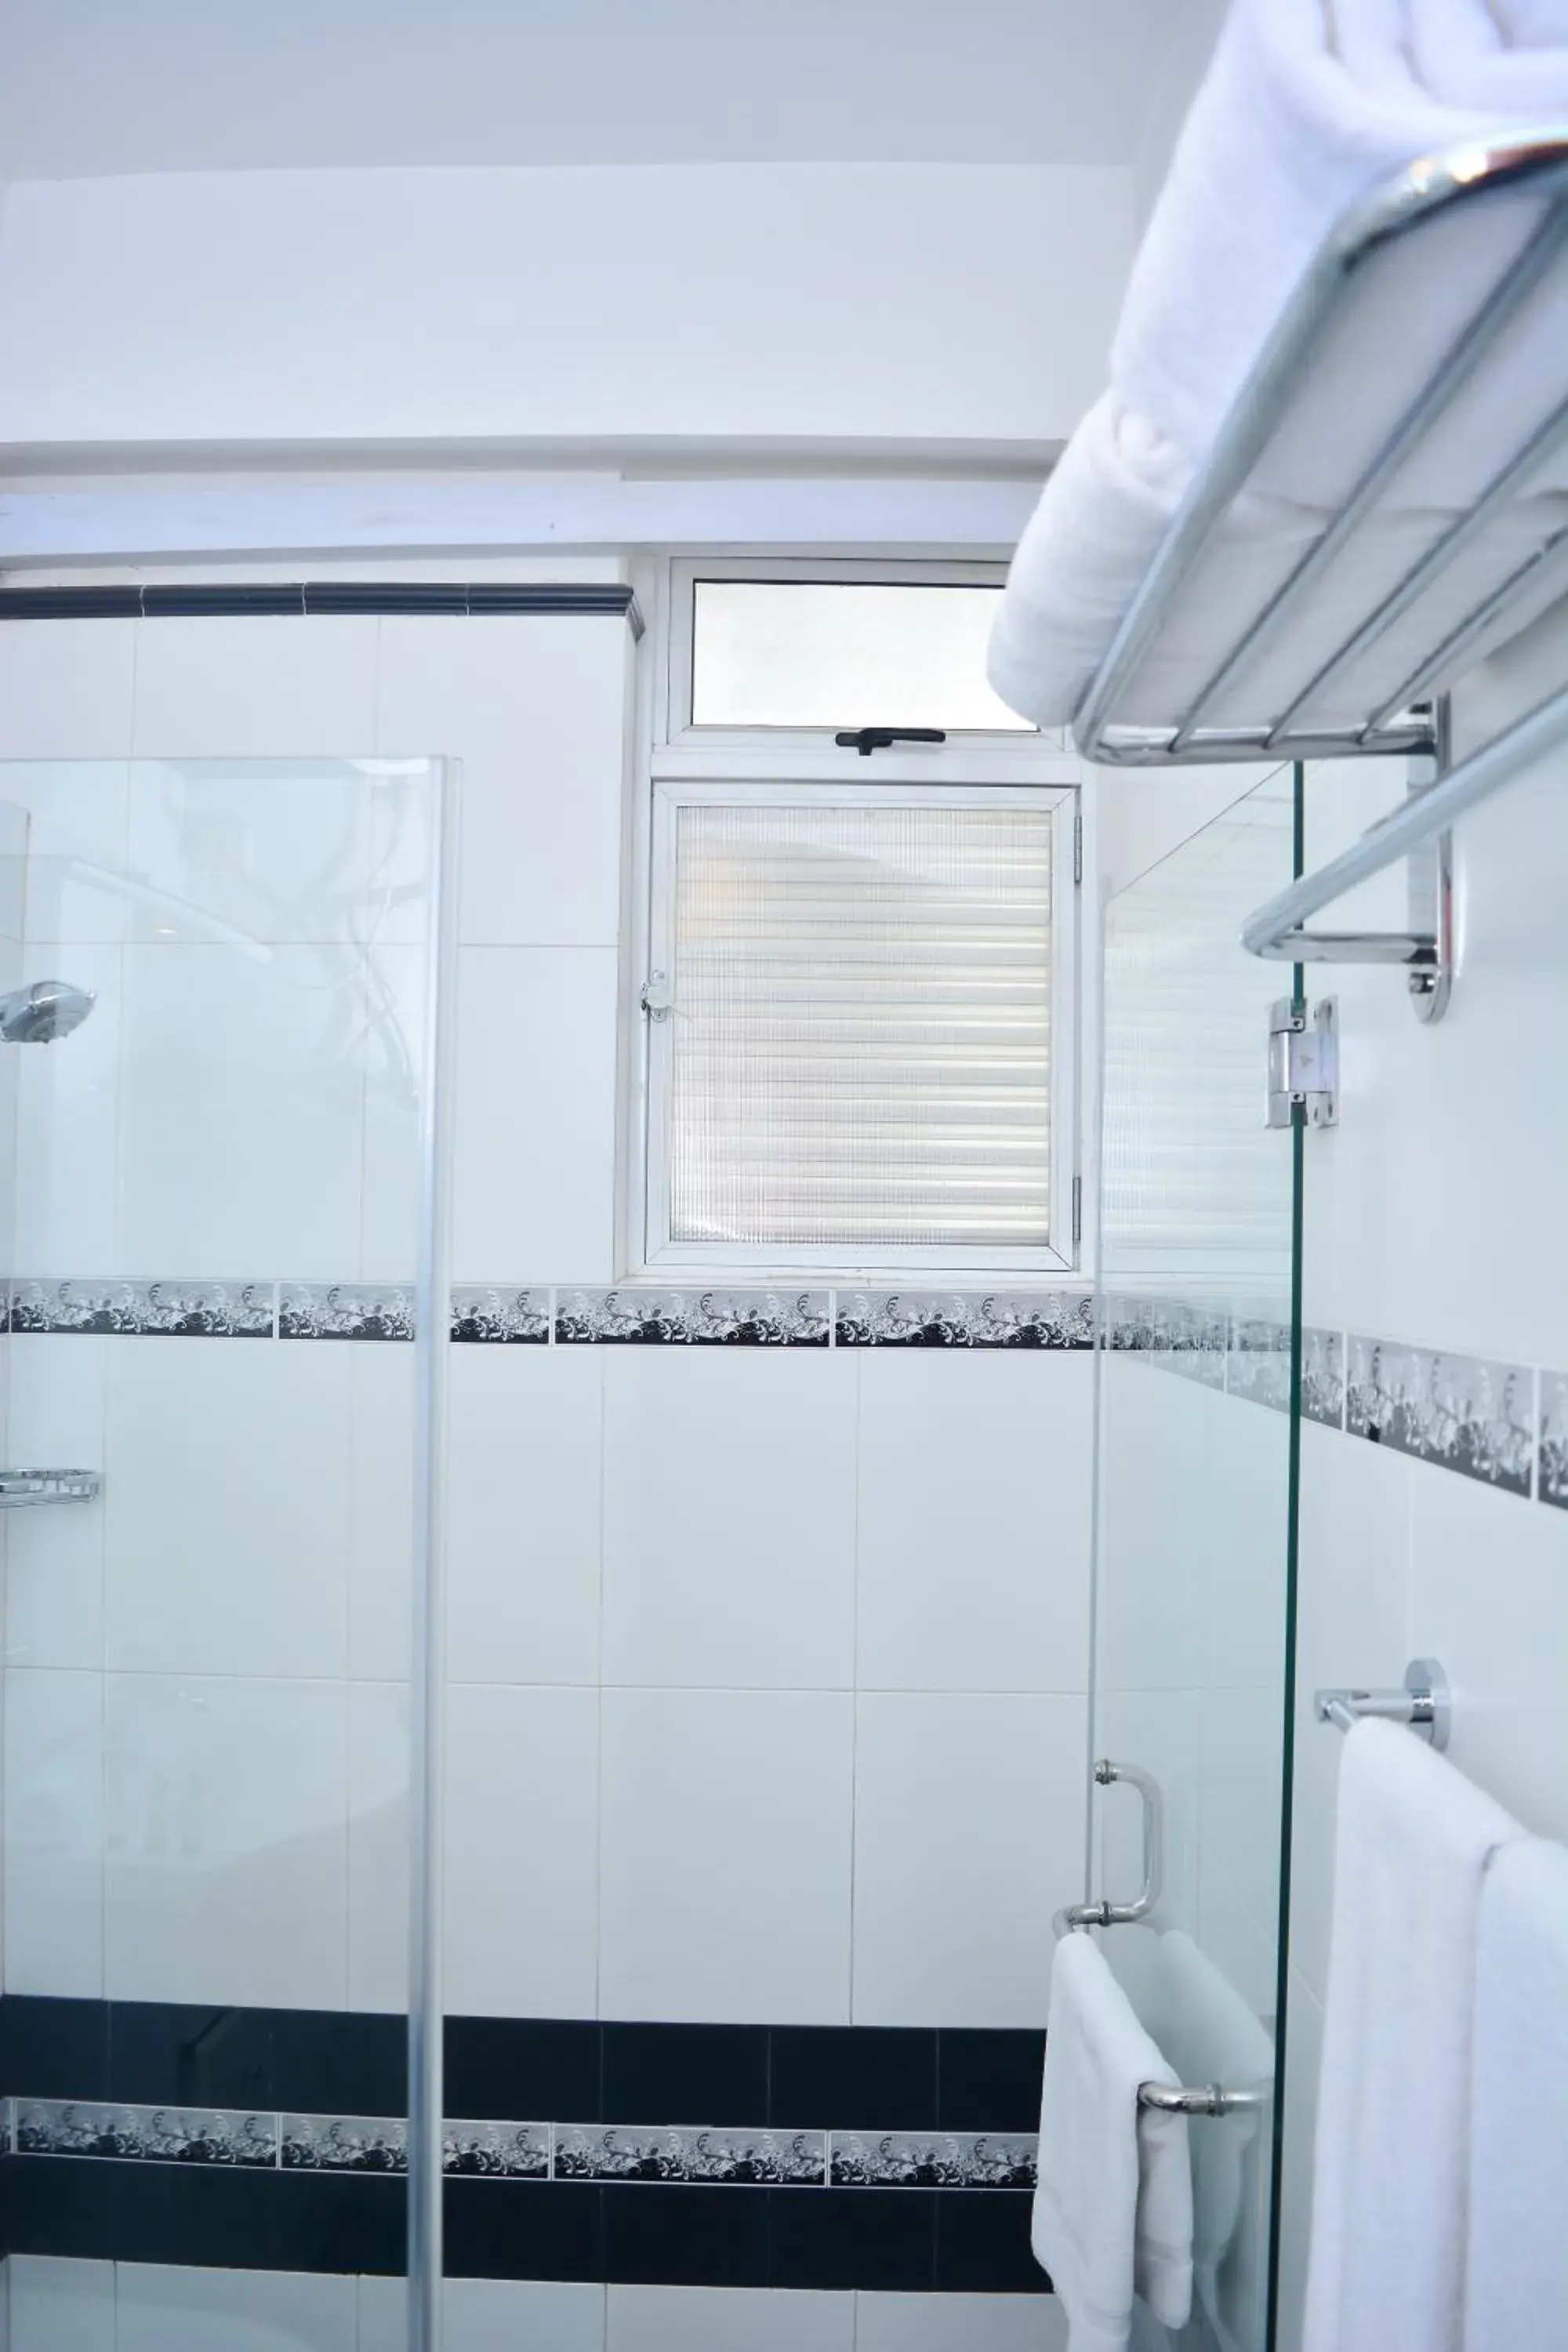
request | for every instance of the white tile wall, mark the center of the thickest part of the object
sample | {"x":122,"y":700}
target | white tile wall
{"x":725,"y":1855}
{"x":226,"y":1849}
{"x":310,"y":849}
{"x":54,"y":1575}
{"x":54,"y":1832}
{"x":503,"y":2314}
{"x":968,"y":1832}
{"x":521,"y":1852}
{"x":241,"y":1111}
{"x":534,"y":711}
{"x":729,"y":1518}
{"x":973,"y":1521}
{"x":489,"y":2316}
{"x":959,"y":2323}
{"x":525,"y":1486}
{"x":268,"y":686}
{"x":158,"y":2307}
{"x":533,"y":1186}
{"x":225,"y":1506}
{"x":59,"y":2305}
{"x":380,"y":1475}
{"x":723,"y":2319}
{"x":67,"y":1120}
{"x":66,"y":688}
{"x":78,"y":832}
{"x":1490,"y":1600}
{"x":378,"y":1851}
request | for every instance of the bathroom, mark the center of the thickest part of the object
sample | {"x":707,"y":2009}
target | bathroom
{"x":834,"y":1362}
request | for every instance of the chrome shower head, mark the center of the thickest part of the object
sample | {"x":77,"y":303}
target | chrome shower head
{"x":49,"y":1008}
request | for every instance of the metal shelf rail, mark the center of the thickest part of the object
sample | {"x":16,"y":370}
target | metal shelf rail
{"x":1528,"y":168}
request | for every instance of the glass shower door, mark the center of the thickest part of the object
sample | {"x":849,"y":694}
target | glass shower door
{"x":1194,"y":1499}
{"x":221,"y":1185}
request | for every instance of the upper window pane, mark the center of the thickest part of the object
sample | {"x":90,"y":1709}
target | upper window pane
{"x":841,"y":654}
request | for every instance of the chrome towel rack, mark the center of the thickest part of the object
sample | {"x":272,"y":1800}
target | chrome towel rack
{"x":1424,"y":1705}
{"x":1527,"y":168}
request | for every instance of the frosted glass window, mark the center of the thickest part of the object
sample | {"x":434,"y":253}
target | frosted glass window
{"x":844,"y":654}
{"x":860,"y":1041}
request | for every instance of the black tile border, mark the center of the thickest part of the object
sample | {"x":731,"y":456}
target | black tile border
{"x":525,"y":599}
{"x":272,"y":2140}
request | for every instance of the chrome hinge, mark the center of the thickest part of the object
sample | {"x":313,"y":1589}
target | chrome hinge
{"x":1077,"y":844}
{"x":1303,"y":1063}
{"x":655,"y":997}
{"x":1077,"y":1211}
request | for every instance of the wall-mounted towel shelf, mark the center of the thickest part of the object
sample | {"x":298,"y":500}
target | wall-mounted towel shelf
{"x":1423,"y":1704}
{"x":1529,"y":172}
{"x":20,"y":1487}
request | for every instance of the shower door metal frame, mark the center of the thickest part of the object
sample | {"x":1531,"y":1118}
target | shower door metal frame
{"x":427,"y":1658}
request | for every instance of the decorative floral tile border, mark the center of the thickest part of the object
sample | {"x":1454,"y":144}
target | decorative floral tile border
{"x":1463,"y":1412}
{"x":144,"y":2135}
{"x":703,"y":1319}
{"x":503,"y":1314}
{"x":996,"y":1319}
{"x":1503,"y":1424}
{"x":701,"y":2154}
{"x":495,"y":2151}
{"x":496,"y":1314}
{"x":1323,"y":1377}
{"x":343,"y":2144}
{"x":185,"y":1310}
{"x":1552,"y":1459}
{"x":696,"y":2155}
{"x":932,"y":2160}
{"x":345,"y":1310}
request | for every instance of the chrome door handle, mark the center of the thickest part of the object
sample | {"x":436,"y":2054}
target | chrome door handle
{"x":1124,"y":1914}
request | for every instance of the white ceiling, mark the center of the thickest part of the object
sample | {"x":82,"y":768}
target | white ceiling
{"x":106,"y":87}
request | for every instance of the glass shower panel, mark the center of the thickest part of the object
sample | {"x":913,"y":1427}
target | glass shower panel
{"x":219,"y":1189}
{"x":1194,"y":1500}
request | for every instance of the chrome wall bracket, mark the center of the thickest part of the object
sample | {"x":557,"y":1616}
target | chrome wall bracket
{"x":1425,"y":949}
{"x":1424,"y":1706}
{"x":1303,"y":1063}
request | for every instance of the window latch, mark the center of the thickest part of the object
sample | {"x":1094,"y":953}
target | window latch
{"x":867,"y":740}
{"x":655,"y":997}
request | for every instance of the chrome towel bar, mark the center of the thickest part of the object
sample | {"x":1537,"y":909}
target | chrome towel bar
{"x":1205,"y":2099}
{"x":1423,"y":1705}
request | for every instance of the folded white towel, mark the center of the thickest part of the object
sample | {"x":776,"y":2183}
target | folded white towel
{"x":1516,"y":2297}
{"x":1210,"y":2035}
{"x":1113,"y":2210}
{"x":1414,"y":1839}
{"x":1306,"y":106}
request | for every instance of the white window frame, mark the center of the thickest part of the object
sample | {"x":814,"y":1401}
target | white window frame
{"x":783,"y":767}
{"x":980,"y":755}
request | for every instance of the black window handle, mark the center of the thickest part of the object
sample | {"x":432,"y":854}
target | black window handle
{"x":867,"y":740}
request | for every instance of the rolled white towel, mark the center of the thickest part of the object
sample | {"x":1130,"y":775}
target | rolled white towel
{"x":1306,"y":107}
